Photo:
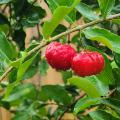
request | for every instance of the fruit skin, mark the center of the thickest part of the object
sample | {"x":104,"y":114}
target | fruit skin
{"x":88,"y":63}
{"x":59,"y":56}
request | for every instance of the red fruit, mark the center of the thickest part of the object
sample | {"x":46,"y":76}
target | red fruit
{"x":88,"y":63}
{"x":59,"y":56}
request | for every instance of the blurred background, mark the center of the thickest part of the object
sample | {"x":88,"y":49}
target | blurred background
{"x":52,"y":76}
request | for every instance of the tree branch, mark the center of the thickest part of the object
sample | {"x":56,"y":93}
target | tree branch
{"x":45,"y":42}
{"x":6,"y":73}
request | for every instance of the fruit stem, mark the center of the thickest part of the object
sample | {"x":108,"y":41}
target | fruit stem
{"x":69,"y":35}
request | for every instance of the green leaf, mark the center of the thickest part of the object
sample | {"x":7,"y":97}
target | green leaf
{"x":101,"y":86}
{"x":19,"y":61}
{"x":19,"y":40}
{"x":4,"y":62}
{"x":23,"y":67}
{"x":116,"y":73}
{"x":30,"y":72}
{"x":83,"y":117}
{"x":106,"y":6}
{"x":28,"y":14}
{"x":116,"y":21}
{"x":32,"y":16}
{"x":4,"y":24}
{"x":58,"y":16}
{"x":111,"y":40}
{"x":86,"y":85}
{"x":66,"y":75}
{"x":106,"y":76}
{"x":43,"y":67}
{"x":84,"y":103}
{"x":86,"y":11}
{"x":56,"y":93}
{"x":12,"y":75}
{"x":102,"y":115}
{"x":60,"y":28}
{"x":20,"y":93}
{"x":7,"y":47}
{"x":59,"y":111}
{"x":53,"y":4}
{"x":22,"y":116}
{"x":9,"y":89}
{"x":4,"y":28}
{"x":87,"y":102}
{"x":117,"y":59}
{"x":5,"y":1}
{"x":112,"y":103}
{"x":114,"y":65}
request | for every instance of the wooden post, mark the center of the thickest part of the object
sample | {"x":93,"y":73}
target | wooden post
{"x":4,"y":114}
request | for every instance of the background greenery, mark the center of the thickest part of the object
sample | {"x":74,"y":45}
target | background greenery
{"x":26,"y":101}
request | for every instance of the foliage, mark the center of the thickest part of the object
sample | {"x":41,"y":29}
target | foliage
{"x":98,"y":95}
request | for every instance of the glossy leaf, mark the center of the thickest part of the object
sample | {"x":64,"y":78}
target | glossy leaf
{"x":43,"y":67}
{"x":84,"y":103}
{"x":116,"y":73}
{"x":102,"y":115}
{"x":86,"y":85}
{"x":31,"y":71}
{"x":112,"y":103}
{"x":7,"y":47}
{"x":20,"y":93}
{"x":4,"y":62}
{"x":60,"y":28}
{"x":23,"y":67}
{"x":28,"y":14}
{"x":66,"y":75}
{"x":58,"y":16}
{"x":86,"y":11}
{"x":101,"y":86}
{"x":33,"y":15}
{"x":117,"y":59}
{"x":106,"y":76}
{"x":106,"y":6}
{"x":53,"y":4}
{"x":111,"y":40}
{"x":56,"y":93}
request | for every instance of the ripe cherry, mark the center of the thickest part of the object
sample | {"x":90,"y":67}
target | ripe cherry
{"x":87,"y":63}
{"x":59,"y":56}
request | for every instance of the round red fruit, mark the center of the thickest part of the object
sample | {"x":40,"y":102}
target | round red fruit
{"x":88,"y":63}
{"x":59,"y":56}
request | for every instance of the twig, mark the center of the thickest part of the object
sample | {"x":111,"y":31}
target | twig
{"x":79,"y":27}
{"x":67,"y":109}
{"x":94,"y":108}
{"x":6,"y":73}
{"x":69,"y":35}
{"x":34,"y":2}
{"x":111,"y":92}
{"x":3,"y":10}
{"x":90,"y":110}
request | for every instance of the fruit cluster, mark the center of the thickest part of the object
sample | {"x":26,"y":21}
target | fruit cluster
{"x":64,"y":57}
